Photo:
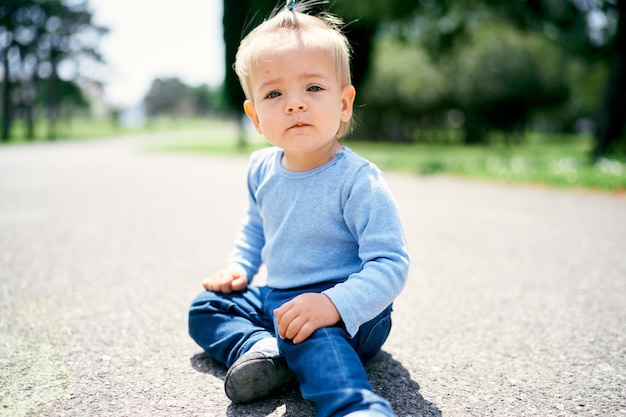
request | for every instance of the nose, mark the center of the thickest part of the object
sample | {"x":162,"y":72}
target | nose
{"x":295,"y":104}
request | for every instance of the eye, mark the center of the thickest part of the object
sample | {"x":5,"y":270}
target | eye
{"x":314,"y":88}
{"x":273,"y":94}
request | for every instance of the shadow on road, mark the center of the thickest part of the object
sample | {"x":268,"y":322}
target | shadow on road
{"x":207,"y":365}
{"x":392,"y":380}
{"x":388,"y":378}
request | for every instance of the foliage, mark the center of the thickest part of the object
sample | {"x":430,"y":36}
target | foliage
{"x":207,"y":101}
{"x":502,"y":77}
{"x":403,"y":93}
{"x":171,"y":96}
{"x":40,"y":42}
{"x":495,"y":81}
{"x":593,"y":31}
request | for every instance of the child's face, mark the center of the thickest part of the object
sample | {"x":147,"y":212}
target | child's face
{"x":297,"y":100}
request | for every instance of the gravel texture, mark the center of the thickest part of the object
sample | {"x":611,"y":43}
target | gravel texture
{"x":515,"y":306}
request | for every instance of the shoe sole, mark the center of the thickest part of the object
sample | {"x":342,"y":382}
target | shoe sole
{"x":255,"y":376}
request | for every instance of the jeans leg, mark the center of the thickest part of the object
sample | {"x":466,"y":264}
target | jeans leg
{"x":372,"y":335}
{"x":227,"y":325}
{"x":329,"y":365}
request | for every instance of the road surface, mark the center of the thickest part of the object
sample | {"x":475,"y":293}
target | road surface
{"x":515,"y":305}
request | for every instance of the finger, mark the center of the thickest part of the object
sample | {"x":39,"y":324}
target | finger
{"x":293,"y":328}
{"x":282,"y":320}
{"x":224,"y":287}
{"x":304,"y":332}
{"x":225,"y":281}
{"x":209,"y":284}
{"x":280,"y":312}
{"x":215,"y":279}
{"x":239,"y":283}
{"x":282,"y":328}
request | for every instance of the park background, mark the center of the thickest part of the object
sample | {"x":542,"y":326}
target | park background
{"x":122,"y":183}
{"x":527,"y":91}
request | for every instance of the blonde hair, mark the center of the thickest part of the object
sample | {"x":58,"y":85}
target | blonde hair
{"x":289,"y":29}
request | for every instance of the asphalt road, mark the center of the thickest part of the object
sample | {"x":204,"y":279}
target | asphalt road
{"x":515,"y":306}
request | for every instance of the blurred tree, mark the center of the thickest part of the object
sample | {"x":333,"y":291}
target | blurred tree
{"x":401,"y":100}
{"x":494,"y":81}
{"x":612,"y":118}
{"x":37,"y":39}
{"x":502,"y":76}
{"x":593,"y":30}
{"x":19,"y":25}
{"x":172,"y":97}
{"x":165,"y":96}
{"x":71,"y":99}
{"x":208,"y":100}
{"x":239,"y":19}
{"x":204,"y":100}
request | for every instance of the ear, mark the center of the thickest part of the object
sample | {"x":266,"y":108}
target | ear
{"x":348,"y":93}
{"x":248,"y":107}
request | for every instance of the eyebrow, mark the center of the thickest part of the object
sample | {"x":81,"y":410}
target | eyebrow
{"x":304,"y":76}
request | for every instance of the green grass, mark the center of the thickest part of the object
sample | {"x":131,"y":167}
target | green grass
{"x":553,"y":160}
{"x":560,"y":161}
{"x":84,"y":128}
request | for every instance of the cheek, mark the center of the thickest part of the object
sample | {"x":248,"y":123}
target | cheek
{"x":267,"y":118}
{"x":267,"y":126}
{"x":261,"y":125}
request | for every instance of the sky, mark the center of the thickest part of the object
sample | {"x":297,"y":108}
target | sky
{"x":158,"y":38}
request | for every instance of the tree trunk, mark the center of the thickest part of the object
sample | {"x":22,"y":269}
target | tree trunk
{"x":53,"y":103}
{"x":475,"y":132}
{"x":234,"y":20}
{"x":28,"y":101}
{"x":6,"y":100}
{"x":612,"y":117}
{"x":30,"y":122}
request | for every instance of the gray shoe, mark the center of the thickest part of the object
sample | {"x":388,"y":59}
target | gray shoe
{"x":257,"y":375}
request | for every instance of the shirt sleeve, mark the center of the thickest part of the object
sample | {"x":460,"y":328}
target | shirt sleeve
{"x":250,"y":240}
{"x":371,"y":215}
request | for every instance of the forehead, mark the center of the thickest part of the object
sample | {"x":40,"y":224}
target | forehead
{"x":289,"y":62}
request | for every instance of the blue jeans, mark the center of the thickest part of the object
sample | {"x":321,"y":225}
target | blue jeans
{"x":329,"y":364}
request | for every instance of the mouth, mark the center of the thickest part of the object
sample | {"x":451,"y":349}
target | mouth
{"x":298,"y":125}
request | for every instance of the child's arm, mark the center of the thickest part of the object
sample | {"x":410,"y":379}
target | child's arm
{"x":226,"y":281}
{"x":251,"y":239}
{"x":372,"y":216}
{"x":245,"y":259}
{"x":299,"y":318}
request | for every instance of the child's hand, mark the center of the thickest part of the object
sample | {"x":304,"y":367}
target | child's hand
{"x":299,"y":318}
{"x":226,"y":281}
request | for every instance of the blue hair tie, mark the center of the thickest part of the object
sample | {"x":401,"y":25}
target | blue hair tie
{"x":291,"y":4}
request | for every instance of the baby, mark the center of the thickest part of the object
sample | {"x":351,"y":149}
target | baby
{"x":323,"y":222}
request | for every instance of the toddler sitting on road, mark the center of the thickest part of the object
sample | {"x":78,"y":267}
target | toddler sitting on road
{"x":321,"y":219}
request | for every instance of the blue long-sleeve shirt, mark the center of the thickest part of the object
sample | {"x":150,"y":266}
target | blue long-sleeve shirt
{"x":337,"y":223}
